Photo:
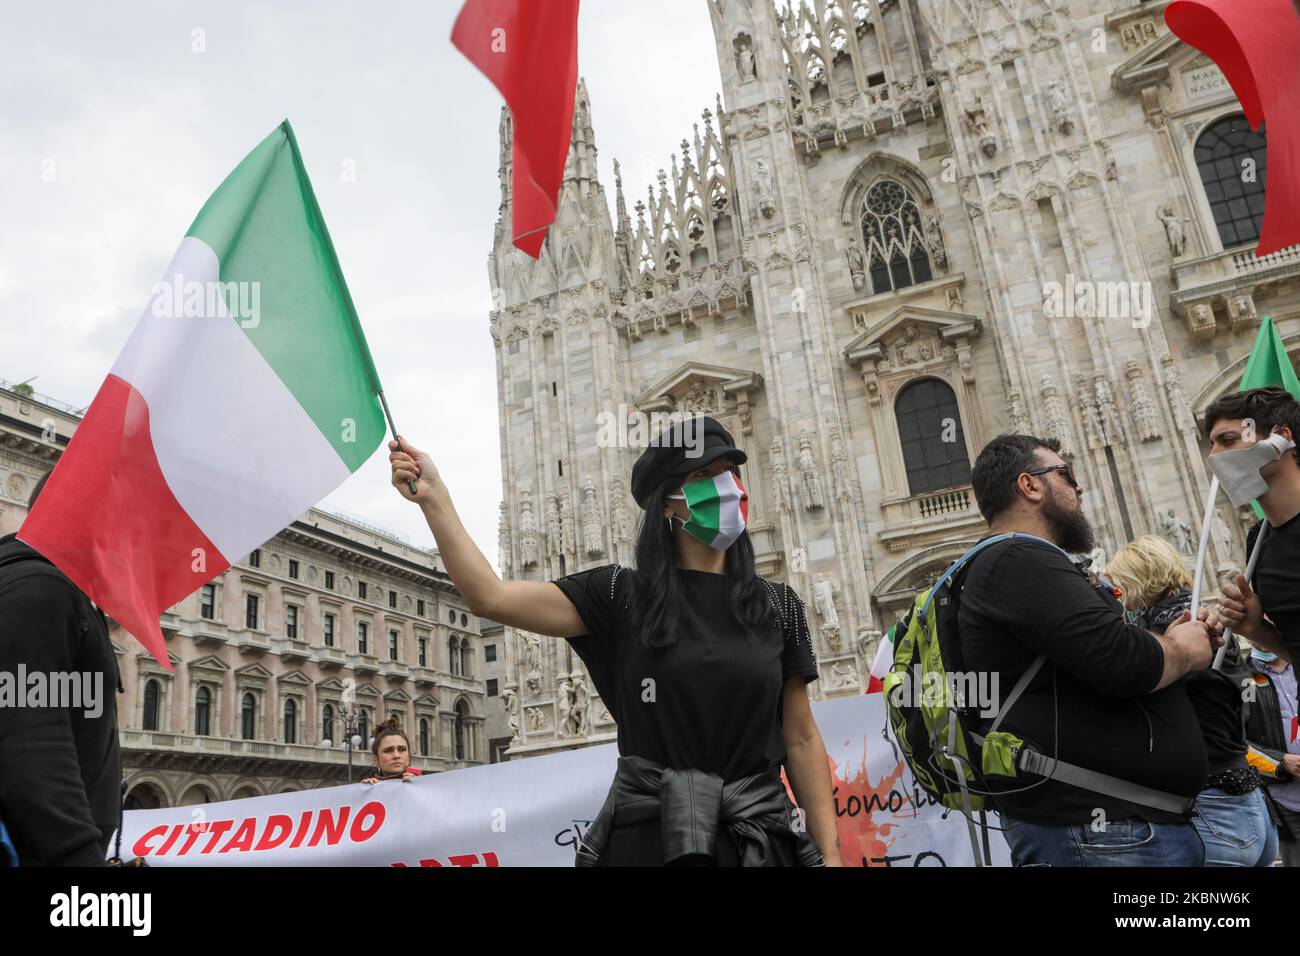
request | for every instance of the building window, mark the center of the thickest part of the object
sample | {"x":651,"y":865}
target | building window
{"x":489,"y":653}
{"x":152,"y":693}
{"x":453,"y":656}
{"x":290,"y":721}
{"x":363,"y":729}
{"x":250,"y":611}
{"x":392,"y":646}
{"x":464,"y":620}
{"x":424,"y":736}
{"x":423,"y":650}
{"x":492,"y":687}
{"x":465,"y":669}
{"x":208,"y":602}
{"x":896,"y":251}
{"x":419,"y":607}
{"x":363,"y":632}
{"x":248,"y":718}
{"x":329,"y":630}
{"x":291,"y":621}
{"x":202,"y":712}
{"x":392,"y":599}
{"x":293,"y":569}
{"x":451,"y":615}
{"x":255,"y":559}
{"x":1224,"y":153}
{"x":929,"y":428}
{"x":361,"y":590}
{"x":329,"y":580}
{"x":327,"y":723}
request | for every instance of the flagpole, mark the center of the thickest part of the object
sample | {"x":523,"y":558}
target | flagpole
{"x":389,"y":415}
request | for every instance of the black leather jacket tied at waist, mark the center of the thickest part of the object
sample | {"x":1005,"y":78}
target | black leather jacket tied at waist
{"x":692,"y":805}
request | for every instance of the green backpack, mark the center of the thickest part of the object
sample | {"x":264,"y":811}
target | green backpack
{"x":936,"y":723}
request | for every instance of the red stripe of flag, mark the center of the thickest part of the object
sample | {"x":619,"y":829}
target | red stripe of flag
{"x":108,"y":520}
{"x":1256,"y":43}
{"x":529,"y":50}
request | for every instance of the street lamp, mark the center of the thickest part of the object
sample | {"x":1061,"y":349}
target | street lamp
{"x":348,"y":715}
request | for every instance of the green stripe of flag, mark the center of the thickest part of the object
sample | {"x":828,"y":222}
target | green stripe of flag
{"x":1269,"y":365}
{"x":265,"y":226}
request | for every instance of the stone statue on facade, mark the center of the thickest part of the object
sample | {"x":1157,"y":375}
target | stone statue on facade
{"x":1177,"y":532}
{"x":809,"y":477}
{"x":763,"y":189}
{"x":857,"y":265}
{"x":592,"y":523}
{"x":527,"y":530}
{"x":510,"y":701}
{"x":1174,"y":233}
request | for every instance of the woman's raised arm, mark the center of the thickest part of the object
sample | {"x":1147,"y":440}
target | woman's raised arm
{"x":536,"y":606}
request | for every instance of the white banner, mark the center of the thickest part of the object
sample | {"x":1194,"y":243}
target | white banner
{"x":530,"y":813}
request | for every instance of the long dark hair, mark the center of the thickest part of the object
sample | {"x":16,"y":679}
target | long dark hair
{"x":657,"y":597}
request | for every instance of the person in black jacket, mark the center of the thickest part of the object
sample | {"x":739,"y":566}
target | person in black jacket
{"x":1232,"y":812}
{"x":1273,"y":729}
{"x":60,"y":767}
{"x":1105,"y":700}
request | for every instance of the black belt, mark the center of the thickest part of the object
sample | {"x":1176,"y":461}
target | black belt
{"x":1237,"y":781}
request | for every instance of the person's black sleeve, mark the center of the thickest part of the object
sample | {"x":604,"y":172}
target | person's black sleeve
{"x":1033,"y":591}
{"x":595,"y":594}
{"x":42,"y":792}
{"x":799,"y":658}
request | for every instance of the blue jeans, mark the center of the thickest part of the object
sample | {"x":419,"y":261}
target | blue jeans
{"x":1236,"y":828}
{"x":1127,"y":842}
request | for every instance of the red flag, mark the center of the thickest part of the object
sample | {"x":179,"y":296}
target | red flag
{"x":1256,"y":43}
{"x":529,"y":50}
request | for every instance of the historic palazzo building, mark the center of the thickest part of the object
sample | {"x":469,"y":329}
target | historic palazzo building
{"x":329,"y":617}
{"x":905,"y":227}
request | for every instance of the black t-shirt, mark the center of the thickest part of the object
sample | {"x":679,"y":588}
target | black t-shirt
{"x":1215,"y":695}
{"x":1277,"y":579}
{"x":1022,"y":598}
{"x":710,"y":701}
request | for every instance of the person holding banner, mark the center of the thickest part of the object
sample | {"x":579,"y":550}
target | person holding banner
{"x":392,"y":752}
{"x":702,"y":664}
{"x":1232,"y":812}
{"x":1248,"y":432}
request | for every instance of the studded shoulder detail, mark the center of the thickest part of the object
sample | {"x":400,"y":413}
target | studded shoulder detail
{"x":794,"y":621}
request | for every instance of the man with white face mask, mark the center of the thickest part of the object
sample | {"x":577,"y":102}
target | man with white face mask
{"x":1258,"y":429}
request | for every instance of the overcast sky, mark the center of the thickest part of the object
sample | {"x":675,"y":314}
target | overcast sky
{"x":136,"y":119}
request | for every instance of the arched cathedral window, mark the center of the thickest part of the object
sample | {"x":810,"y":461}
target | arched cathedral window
{"x":896,"y":251}
{"x":929,"y":427}
{"x":1231,"y":158}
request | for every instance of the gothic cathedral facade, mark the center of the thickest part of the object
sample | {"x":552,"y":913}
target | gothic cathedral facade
{"x":906,"y":227}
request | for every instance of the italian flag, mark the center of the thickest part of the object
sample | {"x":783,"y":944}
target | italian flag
{"x":719,"y":503}
{"x":245,"y":394}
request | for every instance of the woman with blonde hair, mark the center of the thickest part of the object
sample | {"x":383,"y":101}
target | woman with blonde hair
{"x":1232,"y":815}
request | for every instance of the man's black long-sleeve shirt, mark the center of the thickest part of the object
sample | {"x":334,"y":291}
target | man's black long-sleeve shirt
{"x":60,"y":770}
{"x":1022,"y":598}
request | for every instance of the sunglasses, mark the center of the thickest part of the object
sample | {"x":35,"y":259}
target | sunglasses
{"x":1064,"y":469}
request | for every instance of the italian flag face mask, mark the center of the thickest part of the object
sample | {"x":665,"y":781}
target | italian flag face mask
{"x":719,"y":507}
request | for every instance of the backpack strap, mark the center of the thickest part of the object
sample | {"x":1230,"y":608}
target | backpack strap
{"x":961,"y":562}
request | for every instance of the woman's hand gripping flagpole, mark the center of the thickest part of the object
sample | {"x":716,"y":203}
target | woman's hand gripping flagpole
{"x":410,"y":484}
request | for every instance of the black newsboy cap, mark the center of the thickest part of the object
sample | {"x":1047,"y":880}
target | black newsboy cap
{"x":668,"y":453}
